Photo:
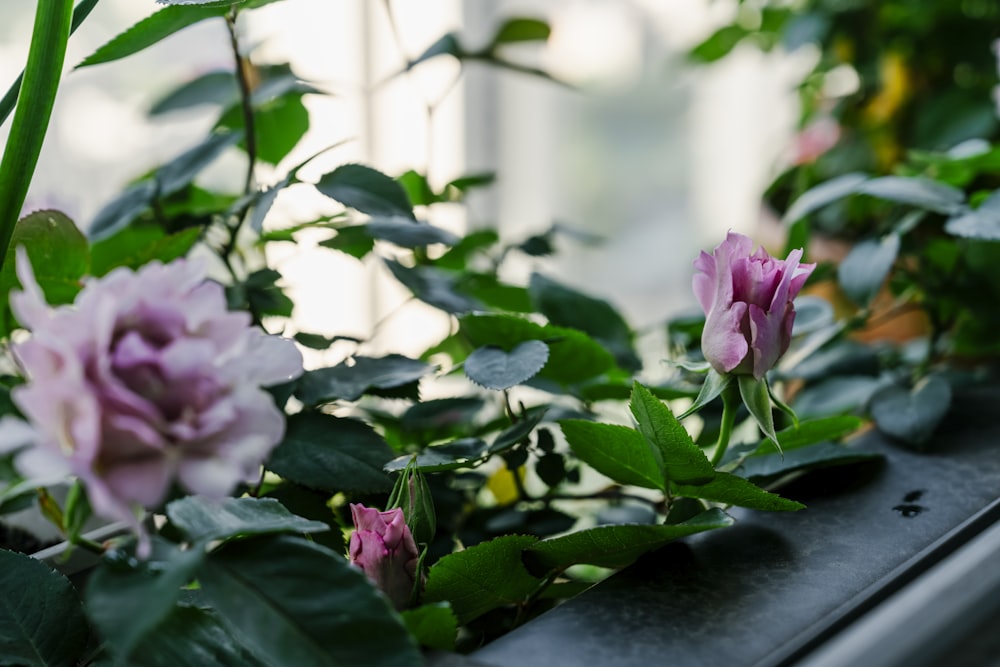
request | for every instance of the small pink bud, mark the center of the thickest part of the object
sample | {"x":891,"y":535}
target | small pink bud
{"x":383,"y":548}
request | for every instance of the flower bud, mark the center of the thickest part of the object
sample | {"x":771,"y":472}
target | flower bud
{"x":382,"y":546}
{"x":747,"y":299}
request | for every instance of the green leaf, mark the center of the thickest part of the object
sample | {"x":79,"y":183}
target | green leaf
{"x":432,"y":286}
{"x":863,"y":271}
{"x":193,"y":636}
{"x":353,"y":240}
{"x":151,"y":30}
{"x":493,"y":368}
{"x":457,"y":257}
{"x":573,"y":356}
{"x":618,"y":452}
{"x":516,"y":432}
{"x":836,"y":395}
{"x":367,"y":190}
{"x":128,"y":603}
{"x":409,"y":234}
{"x":807,"y":433}
{"x":412,"y":494}
{"x":757,"y":400}
{"x":481,"y":578}
{"x":733,"y":490}
{"x":41,"y":618}
{"x":713,"y":386}
{"x":683,"y":460}
{"x":264,"y":296}
{"x":718,"y":44}
{"x":982,"y":223}
{"x":121,"y":211}
{"x":619,"y":545}
{"x":296,"y":603}
{"x":433,"y":625}
{"x":350,"y":382}
{"x":311,"y":504}
{"x":417,"y":188}
{"x":486,"y":287}
{"x":182,"y":170}
{"x":915,"y":191}
{"x":333,"y":454}
{"x":279,"y":124}
{"x":912,"y":414}
{"x":820,"y":455}
{"x":566,"y":307}
{"x":446,"y":45}
{"x":515,"y":30}
{"x":137,"y":245}
{"x":825,"y":193}
{"x":204,"y":519}
{"x":218,"y":88}
{"x":462,"y":453}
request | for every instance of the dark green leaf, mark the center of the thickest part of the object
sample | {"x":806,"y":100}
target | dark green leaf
{"x":432,"y":286}
{"x":619,"y":545}
{"x":713,"y":386}
{"x":417,"y":189}
{"x":481,"y":578}
{"x":573,"y":356}
{"x":982,"y":223}
{"x":353,"y":240}
{"x":367,"y":190}
{"x":350,"y":382}
{"x":733,"y":490}
{"x":182,"y":170}
{"x":216,"y":88}
{"x":409,"y":234}
{"x":192,"y":636}
{"x":313,"y":505}
{"x":824,"y":193}
{"x":757,"y":400}
{"x":836,"y":395}
{"x":912,"y":414}
{"x":809,"y":433}
{"x":151,"y":30}
{"x":433,"y":625}
{"x":205,"y":519}
{"x":320,"y":342}
{"x":279,"y":125}
{"x":566,"y":307}
{"x":441,"y":415}
{"x":121,"y":211}
{"x":332,"y":454}
{"x":683,"y":461}
{"x":264,"y":296}
{"x":618,"y":452}
{"x":463,"y":453}
{"x":137,"y":245}
{"x":127,"y":604}
{"x":919,"y":192}
{"x":296,"y":603}
{"x":520,"y":30}
{"x":863,"y":271}
{"x":41,"y":619}
{"x":493,"y":368}
{"x":820,"y":455}
{"x":516,"y":432}
{"x":486,"y":287}
{"x":447,"y":44}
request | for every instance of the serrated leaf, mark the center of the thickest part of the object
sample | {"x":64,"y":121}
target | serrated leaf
{"x":733,"y":490}
{"x":462,"y":453}
{"x":863,"y":271}
{"x":573,"y":356}
{"x":409,"y":234}
{"x":58,"y":252}
{"x":205,"y":519}
{"x":619,"y":545}
{"x":332,"y":454}
{"x":912,"y":414}
{"x":350,"y":381}
{"x":192,"y":636}
{"x":683,"y":461}
{"x":491,"y":367}
{"x":915,"y":191}
{"x":296,"y":603}
{"x":367,"y":190}
{"x":127,"y":604}
{"x":618,"y":452}
{"x":41,"y":619}
{"x":481,"y":578}
{"x":825,"y":193}
{"x":433,"y":625}
{"x":151,"y":30}
{"x":757,"y":400}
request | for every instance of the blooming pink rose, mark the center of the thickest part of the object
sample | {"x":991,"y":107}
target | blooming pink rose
{"x":747,"y":299}
{"x":147,"y":380}
{"x":383,"y":547}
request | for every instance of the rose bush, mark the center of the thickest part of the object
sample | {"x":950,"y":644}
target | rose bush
{"x":147,"y":380}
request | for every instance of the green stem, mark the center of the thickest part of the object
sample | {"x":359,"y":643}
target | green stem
{"x":80,"y":13}
{"x":34,"y":108}
{"x":730,"y":404}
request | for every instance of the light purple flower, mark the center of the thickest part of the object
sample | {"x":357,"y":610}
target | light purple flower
{"x":383,"y":547}
{"x":747,"y":299}
{"x":145,"y":381}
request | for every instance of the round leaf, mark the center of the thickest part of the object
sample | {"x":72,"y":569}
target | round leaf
{"x":493,"y":368}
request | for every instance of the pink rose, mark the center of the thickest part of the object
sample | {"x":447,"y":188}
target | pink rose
{"x":747,"y":299}
{"x":146,"y":380}
{"x":383,"y":547}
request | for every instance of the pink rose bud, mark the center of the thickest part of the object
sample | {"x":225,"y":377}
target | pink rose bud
{"x":147,"y":380}
{"x":383,"y":547}
{"x":747,"y":299}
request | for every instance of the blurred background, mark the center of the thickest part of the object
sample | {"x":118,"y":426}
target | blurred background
{"x":653,"y":153}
